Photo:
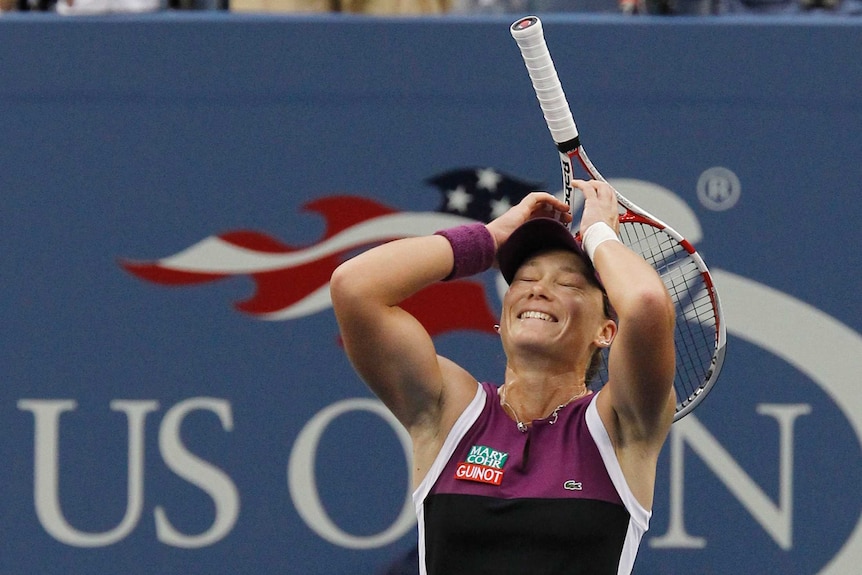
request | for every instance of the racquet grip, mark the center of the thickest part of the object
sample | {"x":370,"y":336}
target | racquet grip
{"x":527,"y":32}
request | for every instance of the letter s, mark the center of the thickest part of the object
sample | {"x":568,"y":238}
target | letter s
{"x":195,"y":470}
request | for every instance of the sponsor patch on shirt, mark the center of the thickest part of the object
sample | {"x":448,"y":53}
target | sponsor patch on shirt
{"x":483,"y":464}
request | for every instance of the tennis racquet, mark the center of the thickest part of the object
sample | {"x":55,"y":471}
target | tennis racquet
{"x":700,"y":334}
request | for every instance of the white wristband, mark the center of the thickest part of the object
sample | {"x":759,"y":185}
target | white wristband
{"x":595,"y":235}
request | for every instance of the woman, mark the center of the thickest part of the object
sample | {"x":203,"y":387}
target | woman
{"x":539,"y":475}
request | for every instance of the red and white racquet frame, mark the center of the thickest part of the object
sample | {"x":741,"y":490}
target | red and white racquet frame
{"x":700,"y":335}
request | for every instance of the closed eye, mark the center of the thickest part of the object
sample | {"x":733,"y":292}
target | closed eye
{"x":574,"y":282}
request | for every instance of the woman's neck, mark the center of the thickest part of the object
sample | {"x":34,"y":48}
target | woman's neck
{"x":531,"y":395}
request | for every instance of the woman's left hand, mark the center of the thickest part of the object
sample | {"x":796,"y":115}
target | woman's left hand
{"x":534,"y":205}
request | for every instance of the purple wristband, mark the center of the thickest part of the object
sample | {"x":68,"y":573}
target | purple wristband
{"x":473,"y":247}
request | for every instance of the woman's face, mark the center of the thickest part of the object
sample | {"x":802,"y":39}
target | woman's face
{"x":551,"y":306}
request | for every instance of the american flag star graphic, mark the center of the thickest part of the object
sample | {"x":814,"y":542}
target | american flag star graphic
{"x":292,"y":282}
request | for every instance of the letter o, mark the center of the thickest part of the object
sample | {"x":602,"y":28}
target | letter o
{"x":302,"y":483}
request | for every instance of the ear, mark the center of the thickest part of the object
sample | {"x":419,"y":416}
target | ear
{"x":606,"y":334}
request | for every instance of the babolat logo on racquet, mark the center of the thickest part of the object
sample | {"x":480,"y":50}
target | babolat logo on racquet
{"x":566,"y":167}
{"x":566,"y":149}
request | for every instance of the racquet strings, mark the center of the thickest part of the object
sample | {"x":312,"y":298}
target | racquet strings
{"x":695,"y":333}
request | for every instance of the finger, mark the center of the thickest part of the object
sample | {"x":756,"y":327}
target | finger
{"x":539,"y":202}
{"x":534,"y":200}
{"x":590,"y":196}
{"x":604,"y":190}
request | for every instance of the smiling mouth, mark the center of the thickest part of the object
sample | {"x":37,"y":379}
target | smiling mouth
{"x":537,"y":315}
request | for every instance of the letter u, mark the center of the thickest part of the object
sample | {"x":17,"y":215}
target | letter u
{"x":46,"y":415}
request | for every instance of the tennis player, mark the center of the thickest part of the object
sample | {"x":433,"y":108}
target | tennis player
{"x":538,"y":475}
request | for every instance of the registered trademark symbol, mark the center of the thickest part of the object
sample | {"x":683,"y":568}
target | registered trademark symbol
{"x":718,"y":189}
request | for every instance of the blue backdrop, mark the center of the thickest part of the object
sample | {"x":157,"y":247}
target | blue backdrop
{"x":176,"y":189}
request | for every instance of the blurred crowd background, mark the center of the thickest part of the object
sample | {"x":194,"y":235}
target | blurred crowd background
{"x":408,"y":8}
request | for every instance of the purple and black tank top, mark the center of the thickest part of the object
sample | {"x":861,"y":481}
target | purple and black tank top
{"x":550,"y":501}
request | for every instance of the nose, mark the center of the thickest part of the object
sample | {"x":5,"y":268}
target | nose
{"x":538,"y":289}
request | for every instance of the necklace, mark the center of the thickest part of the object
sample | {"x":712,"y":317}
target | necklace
{"x":552,"y":417}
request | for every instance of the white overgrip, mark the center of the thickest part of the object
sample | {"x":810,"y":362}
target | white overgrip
{"x":528,"y":33}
